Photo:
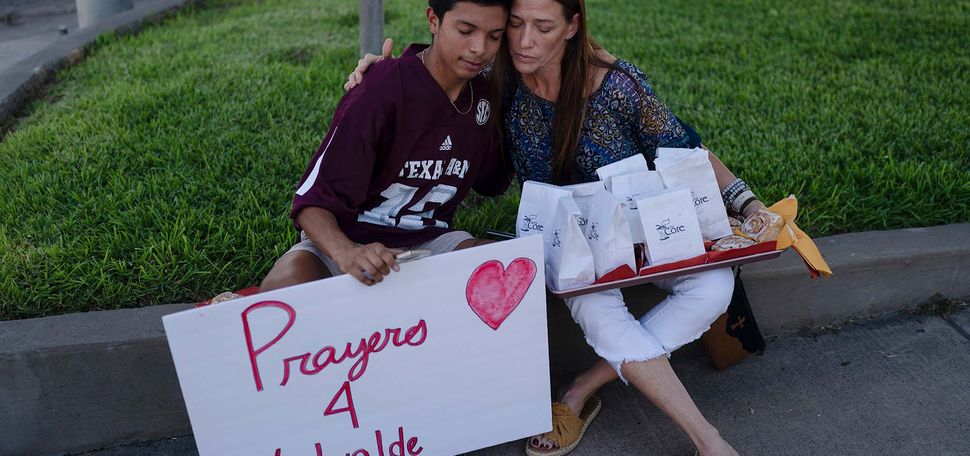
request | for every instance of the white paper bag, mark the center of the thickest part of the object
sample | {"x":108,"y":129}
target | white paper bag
{"x":569,"y":261}
{"x":537,"y":207}
{"x":668,"y":155}
{"x":695,"y":172}
{"x":633,"y":164}
{"x":627,"y":189}
{"x":583,"y":196}
{"x":606,"y":227}
{"x":670,"y":226}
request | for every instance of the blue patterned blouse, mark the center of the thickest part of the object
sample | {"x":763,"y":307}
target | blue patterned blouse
{"x":621,"y":121}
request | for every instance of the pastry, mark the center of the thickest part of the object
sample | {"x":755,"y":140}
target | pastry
{"x":763,"y":226}
{"x":732,"y":242}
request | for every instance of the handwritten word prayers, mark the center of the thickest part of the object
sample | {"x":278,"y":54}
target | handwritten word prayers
{"x":328,"y":355}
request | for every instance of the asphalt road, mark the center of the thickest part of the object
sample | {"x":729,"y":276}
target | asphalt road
{"x":29,"y":26}
{"x":894,"y":386}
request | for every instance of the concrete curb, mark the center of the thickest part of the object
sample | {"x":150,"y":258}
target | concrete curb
{"x":83,"y":381}
{"x":92,"y":380}
{"x":874,"y":273}
{"x":21,"y":82}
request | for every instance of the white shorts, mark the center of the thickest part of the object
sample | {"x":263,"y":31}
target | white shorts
{"x":695,"y":301}
{"x":442,"y":244}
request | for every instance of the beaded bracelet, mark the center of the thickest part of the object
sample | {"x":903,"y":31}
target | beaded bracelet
{"x":737,"y":196}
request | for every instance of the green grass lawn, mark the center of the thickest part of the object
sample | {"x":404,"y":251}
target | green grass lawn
{"x":161,"y":169}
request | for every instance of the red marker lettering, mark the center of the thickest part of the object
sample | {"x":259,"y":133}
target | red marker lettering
{"x":412,"y":442}
{"x":316,"y":446}
{"x":396,"y":447}
{"x":326,"y":356}
{"x":420,"y":329}
{"x":344,"y":390}
{"x":286,"y":367}
{"x":399,"y":444}
{"x":291,"y":315}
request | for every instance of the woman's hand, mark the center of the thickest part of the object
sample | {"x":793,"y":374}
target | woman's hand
{"x":365,"y":62}
{"x":753,"y":207}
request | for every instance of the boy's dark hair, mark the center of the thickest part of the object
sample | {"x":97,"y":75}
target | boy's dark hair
{"x":440,"y":7}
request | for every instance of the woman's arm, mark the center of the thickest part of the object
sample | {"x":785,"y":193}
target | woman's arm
{"x":737,"y":196}
{"x":721,"y":172}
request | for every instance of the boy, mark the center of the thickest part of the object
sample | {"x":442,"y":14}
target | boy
{"x":404,"y":148}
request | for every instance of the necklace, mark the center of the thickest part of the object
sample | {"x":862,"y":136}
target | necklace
{"x":470,"y":86}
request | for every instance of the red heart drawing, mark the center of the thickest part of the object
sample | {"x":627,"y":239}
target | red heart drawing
{"x":494,"y":291}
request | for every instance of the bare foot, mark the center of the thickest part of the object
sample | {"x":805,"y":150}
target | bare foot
{"x":575,"y":401}
{"x":541,"y":443}
{"x":715,"y":445}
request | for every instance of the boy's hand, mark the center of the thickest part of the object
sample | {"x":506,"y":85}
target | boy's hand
{"x":365,"y":62}
{"x":367,"y":263}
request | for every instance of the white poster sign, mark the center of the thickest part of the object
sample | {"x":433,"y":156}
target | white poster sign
{"x":446,"y":356}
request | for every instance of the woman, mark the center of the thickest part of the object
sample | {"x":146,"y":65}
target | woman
{"x":569,"y":108}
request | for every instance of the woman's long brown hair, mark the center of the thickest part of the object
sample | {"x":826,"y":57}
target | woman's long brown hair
{"x":574,"y":90}
{"x":575,"y":86}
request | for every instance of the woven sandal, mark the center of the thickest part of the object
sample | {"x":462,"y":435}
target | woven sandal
{"x":567,"y":428}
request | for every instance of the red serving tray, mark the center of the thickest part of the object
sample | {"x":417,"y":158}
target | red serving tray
{"x":710,"y":260}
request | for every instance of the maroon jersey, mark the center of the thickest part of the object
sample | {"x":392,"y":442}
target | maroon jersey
{"x":399,"y":158}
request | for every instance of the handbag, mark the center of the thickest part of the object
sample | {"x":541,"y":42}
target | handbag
{"x":735,"y":334}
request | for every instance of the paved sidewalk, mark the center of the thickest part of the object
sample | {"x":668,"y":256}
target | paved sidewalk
{"x":34,"y":25}
{"x":892,"y":386}
{"x":29,"y":27}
